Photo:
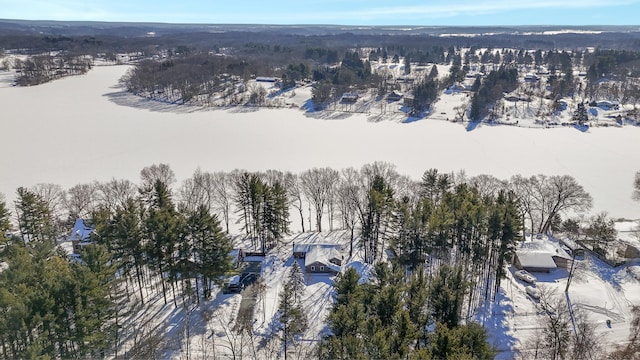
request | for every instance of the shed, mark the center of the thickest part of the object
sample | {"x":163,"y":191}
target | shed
{"x":349,"y":98}
{"x":541,"y":255}
{"x":394,"y":96}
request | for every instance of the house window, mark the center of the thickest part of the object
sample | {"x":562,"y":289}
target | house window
{"x":321,"y":268}
{"x":313,"y":268}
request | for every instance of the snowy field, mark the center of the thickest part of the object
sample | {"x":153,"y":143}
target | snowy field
{"x":85,"y":128}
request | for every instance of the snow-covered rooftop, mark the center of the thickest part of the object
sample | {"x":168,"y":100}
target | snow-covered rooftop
{"x":545,"y":245}
{"x":536,"y":260}
{"x":81,"y":231}
{"x":323,"y":254}
{"x":305,"y":248}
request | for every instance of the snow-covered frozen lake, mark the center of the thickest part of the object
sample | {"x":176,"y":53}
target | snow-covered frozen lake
{"x":81,"y":129}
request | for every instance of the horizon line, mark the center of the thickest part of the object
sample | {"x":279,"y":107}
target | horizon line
{"x":319,"y":24}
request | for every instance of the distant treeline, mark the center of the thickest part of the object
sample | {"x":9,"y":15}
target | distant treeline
{"x":202,"y":68}
{"x":44,"y":68}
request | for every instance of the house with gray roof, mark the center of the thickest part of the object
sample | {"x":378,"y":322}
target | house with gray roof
{"x":323,"y":259}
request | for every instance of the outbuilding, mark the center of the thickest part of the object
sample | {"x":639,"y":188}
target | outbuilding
{"x":541,"y":255}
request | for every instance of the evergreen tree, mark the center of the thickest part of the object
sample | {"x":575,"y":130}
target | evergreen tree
{"x":510,"y":232}
{"x":296,"y":279}
{"x":291,"y":317}
{"x":580,"y":115}
{"x":34,"y":217}
{"x":446,"y":293}
{"x":94,"y":307}
{"x":433,"y":73}
{"x":123,"y":235}
{"x":5,"y":219}
{"x":211,"y":247}
{"x":50,"y":308}
{"x":346,"y":286}
{"x":462,"y":342}
{"x":162,"y":228}
{"x":375,"y":216}
{"x":416,"y":304}
{"x":424,"y":94}
{"x":404,"y":334}
{"x":275,"y":213}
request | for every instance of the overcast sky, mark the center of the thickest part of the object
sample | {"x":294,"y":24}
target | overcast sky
{"x":339,"y":12}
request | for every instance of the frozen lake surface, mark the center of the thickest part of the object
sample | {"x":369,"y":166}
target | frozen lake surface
{"x":84,"y":128}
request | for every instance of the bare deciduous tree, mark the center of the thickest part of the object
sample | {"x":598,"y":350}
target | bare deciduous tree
{"x":317,"y":185}
{"x":81,"y":200}
{"x":636,"y":187}
{"x":587,"y":344}
{"x":544,"y":198}
{"x":487,"y":185}
{"x":294,"y":193}
{"x":556,"y":326}
{"x":115,"y":193}
{"x":53,"y":196}
{"x":197,"y":191}
{"x":347,"y":193}
{"x":150,"y":174}
{"x":222,"y":195}
{"x":632,"y":350}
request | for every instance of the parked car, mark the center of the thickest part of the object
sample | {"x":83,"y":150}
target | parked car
{"x":533,"y":292}
{"x":525,"y":276}
{"x":233,"y":286}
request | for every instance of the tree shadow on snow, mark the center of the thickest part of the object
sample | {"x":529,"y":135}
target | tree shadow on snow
{"x":495,"y":320}
{"x":310,"y":106}
{"x":581,"y":128}
{"x":172,"y":328}
{"x":472,"y":125}
{"x":412,"y":119}
{"x":124,"y":98}
{"x":329,"y":115}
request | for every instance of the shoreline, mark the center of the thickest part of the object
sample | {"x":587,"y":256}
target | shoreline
{"x":71,"y":131}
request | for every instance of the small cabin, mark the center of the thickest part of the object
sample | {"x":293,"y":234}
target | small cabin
{"x":394,"y":96}
{"x":349,"y":98}
{"x":266,"y":79}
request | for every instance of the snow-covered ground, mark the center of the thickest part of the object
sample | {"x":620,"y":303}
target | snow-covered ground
{"x":85,"y":128}
{"x":223,"y":309}
{"x":598,"y":290}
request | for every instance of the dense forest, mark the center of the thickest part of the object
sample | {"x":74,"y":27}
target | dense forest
{"x":176,"y":238}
